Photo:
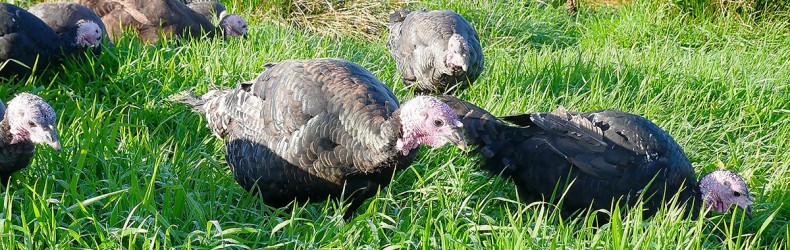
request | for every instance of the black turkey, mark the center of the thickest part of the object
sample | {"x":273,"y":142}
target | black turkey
{"x":600,"y":157}
{"x":27,"y":120}
{"x":438,"y":51}
{"x":152,"y":18}
{"x":308,"y":130}
{"x":26,"y":42}
{"x":77,"y":26}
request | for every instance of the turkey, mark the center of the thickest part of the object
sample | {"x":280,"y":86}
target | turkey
{"x":600,"y":156}
{"x":26,"y":42}
{"x":27,"y":120}
{"x":308,"y":130}
{"x":77,"y":27}
{"x":153,"y":18}
{"x":438,"y":51}
{"x":210,"y":9}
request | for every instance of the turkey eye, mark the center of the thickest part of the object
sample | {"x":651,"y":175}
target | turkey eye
{"x":31,"y":124}
{"x":438,"y":123}
{"x":736,"y":193}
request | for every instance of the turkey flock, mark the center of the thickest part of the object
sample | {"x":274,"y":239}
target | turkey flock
{"x":310,"y":130}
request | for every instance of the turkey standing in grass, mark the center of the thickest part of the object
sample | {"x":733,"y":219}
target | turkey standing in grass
{"x":77,"y":26}
{"x":25,"y":42}
{"x":313,"y":129}
{"x":27,"y":120}
{"x":439,"y":51}
{"x":150,"y":19}
{"x":600,"y":156}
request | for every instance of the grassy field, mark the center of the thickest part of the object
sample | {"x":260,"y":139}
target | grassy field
{"x":137,"y":171}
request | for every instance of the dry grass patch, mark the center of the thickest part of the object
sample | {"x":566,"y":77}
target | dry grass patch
{"x":358,"y":18}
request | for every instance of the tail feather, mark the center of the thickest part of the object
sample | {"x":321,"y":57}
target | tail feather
{"x":197,"y":103}
{"x":210,"y":105}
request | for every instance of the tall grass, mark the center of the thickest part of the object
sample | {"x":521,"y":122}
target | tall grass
{"x":140,"y":172}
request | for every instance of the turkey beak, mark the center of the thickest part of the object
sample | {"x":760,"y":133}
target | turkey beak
{"x":748,"y":212}
{"x":52,"y":138}
{"x":457,"y":137}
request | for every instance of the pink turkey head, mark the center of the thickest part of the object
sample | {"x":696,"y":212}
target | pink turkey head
{"x":723,"y":188}
{"x":233,"y":25}
{"x":88,"y":34}
{"x":427,"y":120}
{"x":31,"y":118}
{"x":457,"y":54}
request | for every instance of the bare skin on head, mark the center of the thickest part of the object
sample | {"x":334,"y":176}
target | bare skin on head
{"x":88,"y":34}
{"x":234,"y":25}
{"x":457,"y":54}
{"x":427,"y":120}
{"x":30,"y":118}
{"x":721,"y":189}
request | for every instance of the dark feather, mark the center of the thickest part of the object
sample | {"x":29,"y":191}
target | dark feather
{"x":25,"y":42}
{"x":63,"y":18}
{"x":601,"y":157}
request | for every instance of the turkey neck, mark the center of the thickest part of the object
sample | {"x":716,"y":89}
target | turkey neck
{"x":22,"y":147}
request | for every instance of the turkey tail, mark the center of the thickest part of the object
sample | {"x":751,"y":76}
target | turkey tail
{"x":211,"y":104}
{"x":197,"y":103}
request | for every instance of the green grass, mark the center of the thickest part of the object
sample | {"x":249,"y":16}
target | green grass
{"x":140,"y":172}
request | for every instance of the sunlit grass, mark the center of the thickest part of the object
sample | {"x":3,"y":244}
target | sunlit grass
{"x":140,"y":172}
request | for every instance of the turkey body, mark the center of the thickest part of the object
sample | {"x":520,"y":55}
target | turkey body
{"x":13,"y":156}
{"x":209,"y":9}
{"x":418,"y":41}
{"x":150,"y":19}
{"x":309,"y":130}
{"x":24,"y":39}
{"x":592,"y":159}
{"x":64,"y":20}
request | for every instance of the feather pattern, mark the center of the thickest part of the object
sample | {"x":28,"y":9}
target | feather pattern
{"x":64,"y":19}
{"x":308,"y":130}
{"x":418,"y":41}
{"x":151,"y":18}
{"x":559,"y":151}
{"x":24,"y":39}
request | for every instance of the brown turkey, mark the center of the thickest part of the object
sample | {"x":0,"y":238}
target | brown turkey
{"x":152,"y":18}
{"x":27,"y":120}
{"x":594,"y":159}
{"x":438,"y":51}
{"x":308,"y":130}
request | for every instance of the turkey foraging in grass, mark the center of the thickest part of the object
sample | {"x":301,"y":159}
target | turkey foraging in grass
{"x":77,"y":26}
{"x":600,"y":157}
{"x":27,"y":120}
{"x":438,"y":51}
{"x":26,"y":42}
{"x":150,"y":19}
{"x":314,"y":129}
{"x":234,"y":25}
